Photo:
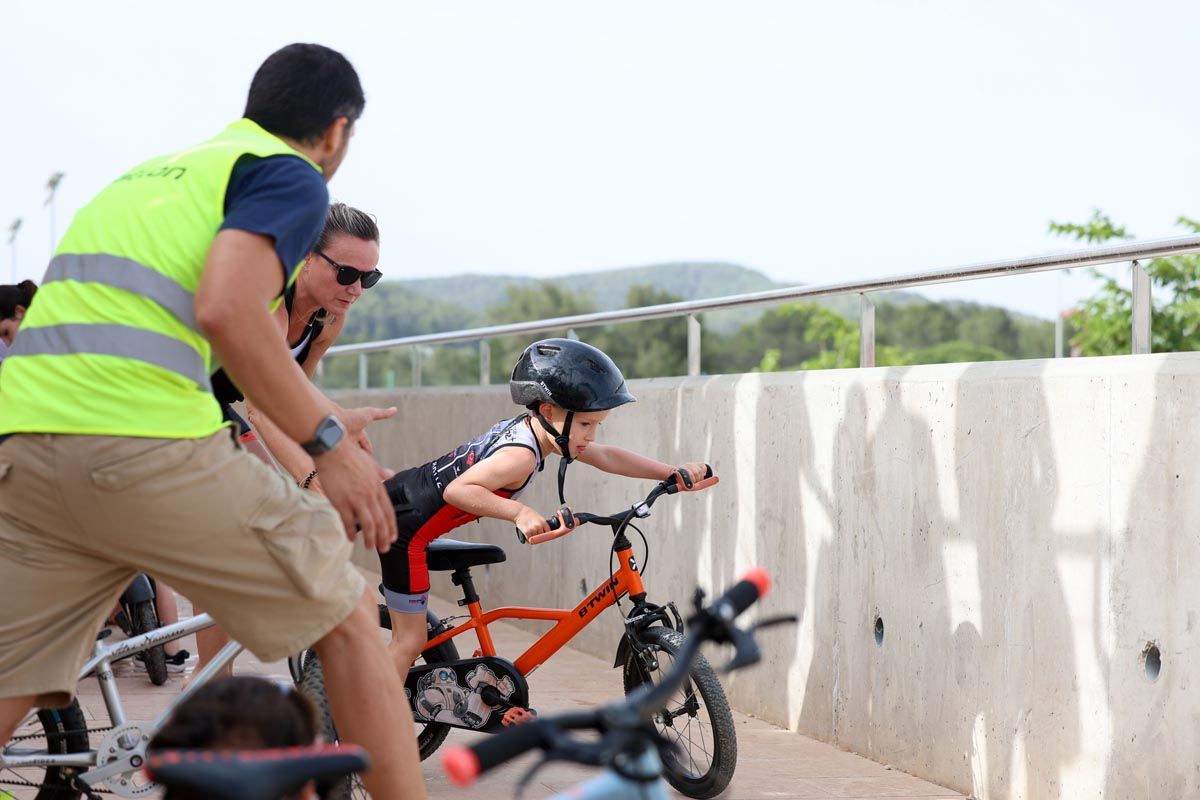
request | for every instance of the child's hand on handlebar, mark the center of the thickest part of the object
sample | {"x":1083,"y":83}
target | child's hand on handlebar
{"x":538,"y":530}
{"x":693,"y":477}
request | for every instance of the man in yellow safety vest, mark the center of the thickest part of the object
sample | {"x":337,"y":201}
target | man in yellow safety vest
{"x":115,"y":457}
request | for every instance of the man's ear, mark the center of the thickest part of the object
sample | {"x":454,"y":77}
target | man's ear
{"x":335,"y":135}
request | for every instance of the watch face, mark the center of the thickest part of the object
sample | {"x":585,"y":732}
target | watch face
{"x":329,"y":433}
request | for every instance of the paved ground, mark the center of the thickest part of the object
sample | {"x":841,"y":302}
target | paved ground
{"x":772,"y":763}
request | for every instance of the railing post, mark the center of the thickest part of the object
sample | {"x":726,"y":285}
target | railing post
{"x":362,"y":370}
{"x":571,"y":334}
{"x":416,"y":365}
{"x":1141,"y":310}
{"x":485,"y":363}
{"x":866,"y":331}
{"x":693,"y":345}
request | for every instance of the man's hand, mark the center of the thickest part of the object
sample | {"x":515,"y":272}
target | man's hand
{"x":351,"y":480}
{"x":357,"y":419}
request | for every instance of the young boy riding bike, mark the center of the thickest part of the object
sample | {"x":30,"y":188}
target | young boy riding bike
{"x":568,"y":388}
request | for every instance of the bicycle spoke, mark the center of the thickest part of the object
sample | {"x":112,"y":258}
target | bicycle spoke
{"x":691,"y":736}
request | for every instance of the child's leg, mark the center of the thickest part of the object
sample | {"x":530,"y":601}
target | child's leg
{"x":408,"y":639}
{"x":405,"y":574}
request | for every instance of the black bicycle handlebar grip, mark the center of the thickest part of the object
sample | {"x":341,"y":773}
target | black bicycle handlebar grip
{"x":753,"y":585}
{"x":464,"y":764}
{"x":554,"y":523}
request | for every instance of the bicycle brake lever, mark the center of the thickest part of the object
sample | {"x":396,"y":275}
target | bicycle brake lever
{"x":771,"y":622}
{"x":746,"y":650}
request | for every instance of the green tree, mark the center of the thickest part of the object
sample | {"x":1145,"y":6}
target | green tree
{"x":654,"y":348}
{"x":544,"y":300}
{"x":1104,"y":321}
{"x":839,"y":340}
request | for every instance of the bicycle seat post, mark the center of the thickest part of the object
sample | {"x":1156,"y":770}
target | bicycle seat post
{"x":462,"y":577}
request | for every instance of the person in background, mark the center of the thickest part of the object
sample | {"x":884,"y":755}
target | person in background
{"x":14,"y":302}
{"x":242,"y":713}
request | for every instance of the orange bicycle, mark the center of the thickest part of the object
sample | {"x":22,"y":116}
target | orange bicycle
{"x":488,"y":692}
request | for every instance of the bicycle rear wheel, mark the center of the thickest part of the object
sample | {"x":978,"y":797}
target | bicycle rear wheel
{"x":697,"y":719}
{"x":54,"y":730}
{"x":145,"y":619}
{"x":312,"y":684}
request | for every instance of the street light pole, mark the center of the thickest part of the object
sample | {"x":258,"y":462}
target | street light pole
{"x":12,"y":245}
{"x":52,"y":190}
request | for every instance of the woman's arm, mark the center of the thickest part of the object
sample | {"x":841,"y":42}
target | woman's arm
{"x":288,"y":453}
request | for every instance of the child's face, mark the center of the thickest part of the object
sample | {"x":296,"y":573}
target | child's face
{"x":584,"y":427}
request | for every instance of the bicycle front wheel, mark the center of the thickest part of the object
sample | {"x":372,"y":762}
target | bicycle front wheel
{"x":57,"y":731}
{"x":697,"y":718}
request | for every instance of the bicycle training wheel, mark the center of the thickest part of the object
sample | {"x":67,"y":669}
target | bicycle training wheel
{"x":697,"y":718}
{"x":57,"y":731}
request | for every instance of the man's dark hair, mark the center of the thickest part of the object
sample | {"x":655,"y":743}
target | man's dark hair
{"x":301,"y":89}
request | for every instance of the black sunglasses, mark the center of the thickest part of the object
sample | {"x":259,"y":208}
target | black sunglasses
{"x":348,"y":275}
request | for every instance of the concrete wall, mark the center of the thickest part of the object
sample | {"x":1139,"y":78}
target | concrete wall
{"x":1025,"y":531}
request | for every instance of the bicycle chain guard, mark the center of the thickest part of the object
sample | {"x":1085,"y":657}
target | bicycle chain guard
{"x":453,"y":692}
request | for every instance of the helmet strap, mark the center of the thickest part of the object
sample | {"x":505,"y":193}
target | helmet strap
{"x":563,"y":440}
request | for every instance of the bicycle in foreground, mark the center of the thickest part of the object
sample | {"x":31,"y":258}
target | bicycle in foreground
{"x":631,"y":746}
{"x":488,"y":692}
{"x":56,"y":752}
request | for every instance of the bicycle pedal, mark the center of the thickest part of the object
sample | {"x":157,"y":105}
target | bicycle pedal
{"x":517,"y":716}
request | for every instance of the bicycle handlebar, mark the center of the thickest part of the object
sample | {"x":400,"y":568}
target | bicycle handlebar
{"x":714,"y":623}
{"x":253,"y":774}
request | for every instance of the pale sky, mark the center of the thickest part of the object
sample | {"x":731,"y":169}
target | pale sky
{"x":816,"y":142}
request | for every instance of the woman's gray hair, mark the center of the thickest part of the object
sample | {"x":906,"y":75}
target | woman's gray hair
{"x":350,"y":221}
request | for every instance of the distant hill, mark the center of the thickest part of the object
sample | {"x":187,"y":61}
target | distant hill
{"x":472,"y":294}
{"x":606,"y":289}
{"x":397,"y":308}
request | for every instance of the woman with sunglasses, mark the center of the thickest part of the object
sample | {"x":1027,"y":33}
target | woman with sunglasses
{"x":332,"y":277}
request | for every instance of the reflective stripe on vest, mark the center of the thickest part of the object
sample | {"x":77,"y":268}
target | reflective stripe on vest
{"x":114,"y":340}
{"x":127,"y":274}
{"x":112,"y":346}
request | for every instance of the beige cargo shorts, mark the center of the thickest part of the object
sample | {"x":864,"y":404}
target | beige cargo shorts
{"x":81,"y":515}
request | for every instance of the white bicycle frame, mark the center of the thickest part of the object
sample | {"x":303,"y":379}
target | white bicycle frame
{"x":101,"y":665}
{"x":611,"y":785}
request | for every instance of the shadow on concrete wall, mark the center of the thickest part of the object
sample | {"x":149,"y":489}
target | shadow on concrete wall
{"x":988,"y":681}
{"x":1155,"y":734}
{"x":1028,"y":692}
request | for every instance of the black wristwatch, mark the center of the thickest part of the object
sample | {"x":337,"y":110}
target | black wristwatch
{"x":329,"y":435}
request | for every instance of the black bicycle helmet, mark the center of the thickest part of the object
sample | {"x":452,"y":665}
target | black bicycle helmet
{"x":571,"y":375}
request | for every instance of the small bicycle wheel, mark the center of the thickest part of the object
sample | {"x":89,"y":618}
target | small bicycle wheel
{"x":697,"y":719}
{"x":56,"y":731}
{"x":145,"y":619}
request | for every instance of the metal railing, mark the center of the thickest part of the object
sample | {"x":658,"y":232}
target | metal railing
{"x":1136,"y":252}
